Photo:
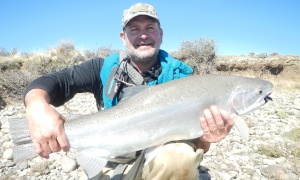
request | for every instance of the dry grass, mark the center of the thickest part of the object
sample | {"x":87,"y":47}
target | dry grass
{"x":270,"y":151}
{"x":18,"y":69}
{"x":294,"y":135}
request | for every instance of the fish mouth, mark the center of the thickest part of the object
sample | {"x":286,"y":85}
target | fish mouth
{"x":268,"y":98}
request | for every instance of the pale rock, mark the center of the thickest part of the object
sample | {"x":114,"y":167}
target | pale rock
{"x":24,"y":172}
{"x":22,"y":166}
{"x":245,"y":158}
{"x":5,"y":125}
{"x":7,"y":144}
{"x":280,"y":160}
{"x":269,"y":162}
{"x":297,"y":103}
{"x":8,"y":113}
{"x":68,"y":164}
{"x":51,"y":167}
{"x":6,"y":138}
{"x":65,"y":176}
{"x":74,"y":174}
{"x":8,"y":154}
{"x":10,"y":163}
{"x":10,"y":108}
{"x":83,"y":176}
{"x":274,"y":172}
{"x":293,"y":176}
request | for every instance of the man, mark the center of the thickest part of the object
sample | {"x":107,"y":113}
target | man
{"x":143,"y":63}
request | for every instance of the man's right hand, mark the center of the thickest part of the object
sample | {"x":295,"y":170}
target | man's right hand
{"x":46,"y":125}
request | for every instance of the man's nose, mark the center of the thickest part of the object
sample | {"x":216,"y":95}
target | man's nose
{"x":144,"y":34}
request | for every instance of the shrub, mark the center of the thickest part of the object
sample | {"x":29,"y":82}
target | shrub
{"x":12,"y":84}
{"x":54,"y":59}
{"x":104,"y":52}
{"x":200,"y":54}
{"x":4,"y":52}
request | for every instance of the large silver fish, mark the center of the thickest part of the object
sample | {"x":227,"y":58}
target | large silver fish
{"x":150,"y":116}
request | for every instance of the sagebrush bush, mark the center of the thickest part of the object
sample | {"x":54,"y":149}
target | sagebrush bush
{"x":200,"y":54}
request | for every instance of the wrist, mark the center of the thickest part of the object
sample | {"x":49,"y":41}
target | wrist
{"x":36,"y":97}
{"x":201,"y":143}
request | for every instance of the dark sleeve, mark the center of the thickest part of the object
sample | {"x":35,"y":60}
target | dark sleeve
{"x":63,"y":85}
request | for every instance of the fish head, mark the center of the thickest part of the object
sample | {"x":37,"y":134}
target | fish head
{"x":250,"y":95}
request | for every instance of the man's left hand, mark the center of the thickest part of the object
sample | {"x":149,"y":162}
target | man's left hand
{"x":216,"y":125}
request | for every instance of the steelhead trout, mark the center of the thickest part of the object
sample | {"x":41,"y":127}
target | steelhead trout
{"x":150,"y":116}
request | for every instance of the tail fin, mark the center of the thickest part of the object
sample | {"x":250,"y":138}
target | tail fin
{"x":23,"y":146}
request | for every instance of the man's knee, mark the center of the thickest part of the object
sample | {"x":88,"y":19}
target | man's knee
{"x":175,"y":161}
{"x":180,"y":153}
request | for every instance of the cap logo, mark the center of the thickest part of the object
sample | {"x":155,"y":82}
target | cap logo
{"x":137,"y":9}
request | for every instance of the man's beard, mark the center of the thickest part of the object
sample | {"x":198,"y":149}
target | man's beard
{"x":140,"y":56}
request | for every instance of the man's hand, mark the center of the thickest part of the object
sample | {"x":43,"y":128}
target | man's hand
{"x":216,"y":124}
{"x":45,"y":124}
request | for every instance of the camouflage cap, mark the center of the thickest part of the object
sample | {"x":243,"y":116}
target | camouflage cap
{"x":137,"y":10}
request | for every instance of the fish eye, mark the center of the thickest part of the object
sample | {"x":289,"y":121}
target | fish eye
{"x":260,"y":91}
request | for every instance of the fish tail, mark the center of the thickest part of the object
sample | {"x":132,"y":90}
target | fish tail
{"x":23,"y":146}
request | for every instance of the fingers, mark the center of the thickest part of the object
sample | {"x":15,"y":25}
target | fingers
{"x":54,"y":145}
{"x":63,"y":142}
{"x":45,"y":146}
{"x":214,"y":119}
{"x":215,"y":124}
{"x":205,"y":128}
{"x":39,"y":150}
{"x":49,"y":140}
{"x":227,"y":119}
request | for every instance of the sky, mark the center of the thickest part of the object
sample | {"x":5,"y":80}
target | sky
{"x":237,"y":27}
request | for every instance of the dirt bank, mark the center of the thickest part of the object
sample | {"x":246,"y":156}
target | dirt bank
{"x":283,"y":71}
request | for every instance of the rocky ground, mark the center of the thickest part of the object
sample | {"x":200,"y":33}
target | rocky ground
{"x":269,"y":154}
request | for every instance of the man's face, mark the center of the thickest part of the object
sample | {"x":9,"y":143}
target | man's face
{"x":142,"y":38}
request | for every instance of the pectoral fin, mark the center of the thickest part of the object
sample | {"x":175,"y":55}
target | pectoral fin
{"x":91,"y":165}
{"x":241,"y":126}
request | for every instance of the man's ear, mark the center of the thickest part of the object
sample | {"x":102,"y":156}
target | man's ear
{"x":162,"y":34}
{"x":122,"y":36}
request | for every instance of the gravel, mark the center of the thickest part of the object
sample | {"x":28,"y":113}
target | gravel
{"x":268,"y":154}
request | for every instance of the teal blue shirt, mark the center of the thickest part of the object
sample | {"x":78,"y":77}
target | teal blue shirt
{"x":171,"y":69}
